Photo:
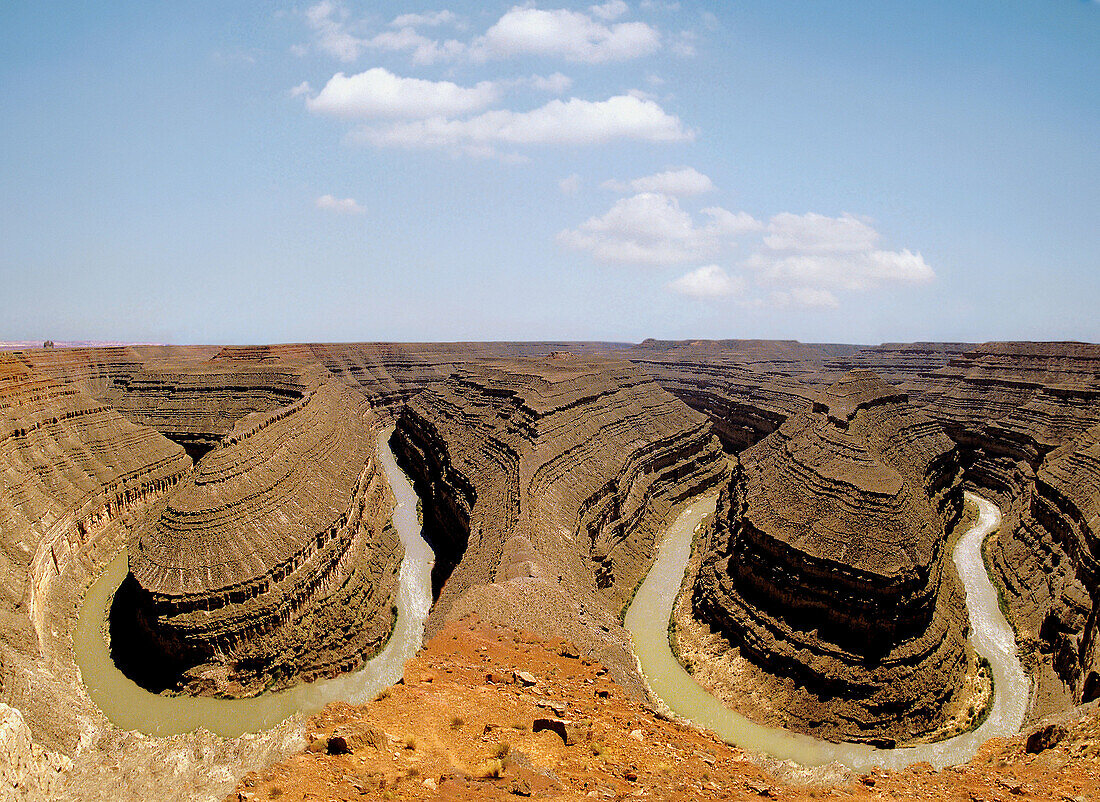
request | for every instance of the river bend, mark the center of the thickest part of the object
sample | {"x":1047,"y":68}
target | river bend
{"x":131,"y":707}
{"x":993,"y":638}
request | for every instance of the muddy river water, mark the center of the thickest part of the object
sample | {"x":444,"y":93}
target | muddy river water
{"x":131,"y":707}
{"x":648,"y":617}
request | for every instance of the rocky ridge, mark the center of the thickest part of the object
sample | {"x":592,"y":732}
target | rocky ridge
{"x":544,"y":483}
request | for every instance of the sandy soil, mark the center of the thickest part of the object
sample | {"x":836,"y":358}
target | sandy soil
{"x":462,"y":725}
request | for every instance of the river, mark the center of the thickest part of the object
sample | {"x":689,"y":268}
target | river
{"x":648,"y":618}
{"x":131,"y":707}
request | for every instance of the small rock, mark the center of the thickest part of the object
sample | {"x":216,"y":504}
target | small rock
{"x":571,"y":732}
{"x":430,"y":784}
{"x":568,"y":651}
{"x":496,"y":679}
{"x":337,"y":745}
{"x":318,"y":745}
{"x":525,"y":678}
{"x":1044,"y":738}
{"x":520,"y":787}
{"x":637,"y":735}
{"x":630,"y":776}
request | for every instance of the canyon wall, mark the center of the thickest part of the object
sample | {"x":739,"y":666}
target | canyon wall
{"x":544,"y":484}
{"x":74,"y":478}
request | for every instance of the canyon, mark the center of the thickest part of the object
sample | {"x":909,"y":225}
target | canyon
{"x":244,"y":483}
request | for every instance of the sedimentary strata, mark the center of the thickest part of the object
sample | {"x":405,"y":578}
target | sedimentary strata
{"x":74,"y":476}
{"x":544,"y":483}
{"x":825,"y":565}
{"x":273,"y":562}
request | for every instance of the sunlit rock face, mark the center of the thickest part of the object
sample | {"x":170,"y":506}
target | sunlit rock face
{"x":825,"y":565}
{"x":275,"y":561}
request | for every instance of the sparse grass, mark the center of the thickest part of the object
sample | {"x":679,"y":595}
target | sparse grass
{"x":519,"y":726}
{"x":490,"y":769}
{"x":597,"y":748}
{"x":502,"y":750}
{"x":457,"y":722}
{"x":411,"y":743}
{"x":274,"y":792}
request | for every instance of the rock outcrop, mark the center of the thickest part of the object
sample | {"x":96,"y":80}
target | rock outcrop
{"x":275,"y":561}
{"x":825,"y":566}
{"x":544,"y":483}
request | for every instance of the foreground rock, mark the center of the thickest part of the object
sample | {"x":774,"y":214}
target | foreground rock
{"x":544,"y":483}
{"x":445,"y":734}
{"x":825,"y":569}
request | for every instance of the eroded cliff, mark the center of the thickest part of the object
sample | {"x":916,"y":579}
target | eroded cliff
{"x":825,"y":568}
{"x":544,"y":483}
{"x":274,"y":562}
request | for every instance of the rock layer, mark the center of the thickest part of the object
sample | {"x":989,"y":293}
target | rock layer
{"x":825,"y":565}
{"x":74,"y":475}
{"x":274,"y":561}
{"x":544,"y":483}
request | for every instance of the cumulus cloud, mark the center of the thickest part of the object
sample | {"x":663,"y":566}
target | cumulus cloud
{"x":559,"y":122}
{"x":571,"y":35}
{"x":555,"y":84}
{"x":379,"y":94}
{"x":709,"y":281}
{"x":337,"y":35}
{"x":652,"y":229}
{"x":832,"y":253}
{"x":330,"y":203}
{"x":422,"y":49}
{"x":804,"y":260}
{"x":570,"y":185}
{"x":681,"y":182}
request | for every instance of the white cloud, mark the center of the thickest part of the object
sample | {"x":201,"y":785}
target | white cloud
{"x":423,"y":49}
{"x":328,"y":20}
{"x":301,"y":89}
{"x":682,"y":182}
{"x":570,"y":185}
{"x":613,"y":9}
{"x":559,"y":122}
{"x":331,"y":203}
{"x":379,"y":94}
{"x":834,"y":253}
{"x":710,"y":281}
{"x":816,"y":233}
{"x":555,"y":84}
{"x":335,"y":34}
{"x":652,"y":229}
{"x":428,"y":18}
{"x":571,"y":35}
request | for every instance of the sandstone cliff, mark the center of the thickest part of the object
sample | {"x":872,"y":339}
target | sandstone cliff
{"x":74,"y":476}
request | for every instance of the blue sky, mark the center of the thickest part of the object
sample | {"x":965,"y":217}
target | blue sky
{"x":331,"y":171}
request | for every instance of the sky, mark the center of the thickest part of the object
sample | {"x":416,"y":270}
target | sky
{"x":342,"y":170}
